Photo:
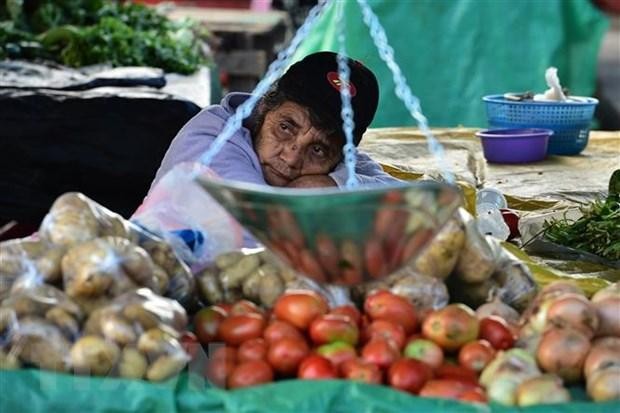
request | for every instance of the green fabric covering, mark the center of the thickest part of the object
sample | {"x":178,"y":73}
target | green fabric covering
{"x":36,"y":391}
{"x":453,"y":52}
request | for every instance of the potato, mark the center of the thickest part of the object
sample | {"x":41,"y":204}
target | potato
{"x":8,"y":361}
{"x":8,"y":320}
{"x":478,"y":258}
{"x":424,"y":292}
{"x":88,"y":305}
{"x":70,"y":221}
{"x":250,"y":286}
{"x":94,"y":355}
{"x":89,"y":269}
{"x":233,"y":276}
{"x":64,"y":321}
{"x":440,"y":257}
{"x":134,"y":261}
{"x":165,"y":366}
{"x":270,"y":285}
{"x":161,"y":279}
{"x":38,"y":299}
{"x":162,"y":254}
{"x":39,"y":342}
{"x":117,"y":329}
{"x":209,"y":288}
{"x":156,"y":341}
{"x":49,"y":264}
{"x":136,"y":313}
{"x":228,"y":259}
{"x":132,"y":364}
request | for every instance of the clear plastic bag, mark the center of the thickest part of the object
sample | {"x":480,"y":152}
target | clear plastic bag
{"x":441,"y":255}
{"x":188,"y":218}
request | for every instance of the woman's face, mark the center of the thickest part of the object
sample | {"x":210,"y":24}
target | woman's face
{"x":288,"y":146}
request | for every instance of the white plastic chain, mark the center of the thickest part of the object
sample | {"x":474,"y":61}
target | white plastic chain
{"x":345,"y":95}
{"x":412,"y":103}
{"x":273,"y":73}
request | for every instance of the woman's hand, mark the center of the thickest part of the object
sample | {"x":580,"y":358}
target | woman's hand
{"x":312,"y":181}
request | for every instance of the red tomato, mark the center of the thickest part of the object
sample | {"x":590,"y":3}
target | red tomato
{"x":218,"y":370}
{"x":350,"y":311}
{"x":455,"y":372}
{"x":250,"y":373}
{"x":223,"y":353}
{"x":351,"y":262}
{"x":495,"y":330}
{"x":316,"y":367}
{"x":476,"y":395}
{"x":424,"y":350}
{"x":360,"y":370}
{"x":380,"y":352}
{"x":387,"y":330}
{"x":476,"y":355}
{"x":246,"y":307}
{"x":327,"y":254}
{"x":333,"y":327}
{"x":446,"y":388}
{"x":452,"y":326}
{"x":239,"y":328}
{"x":253,"y":349}
{"x":190,"y":344}
{"x":206,"y":323}
{"x":224,"y":308}
{"x":278,"y":329}
{"x":286,"y":354}
{"x":415,"y":243}
{"x":383,"y":305}
{"x":337,"y":352}
{"x":300,"y":307}
{"x":375,"y":258}
{"x":310,"y":266}
{"x":409,"y":375}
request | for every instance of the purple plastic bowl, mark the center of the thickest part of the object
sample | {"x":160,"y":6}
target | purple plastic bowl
{"x":514,"y":145}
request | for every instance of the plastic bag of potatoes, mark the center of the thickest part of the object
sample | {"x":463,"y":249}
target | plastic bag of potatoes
{"x":134,"y":336}
{"x":95,"y":255}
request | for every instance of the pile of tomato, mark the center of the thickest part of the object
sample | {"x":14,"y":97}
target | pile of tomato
{"x":438,"y":355}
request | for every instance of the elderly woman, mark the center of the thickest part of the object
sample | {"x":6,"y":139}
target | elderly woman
{"x":294,"y":137}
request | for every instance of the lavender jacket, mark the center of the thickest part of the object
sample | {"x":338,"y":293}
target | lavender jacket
{"x":237,"y":159}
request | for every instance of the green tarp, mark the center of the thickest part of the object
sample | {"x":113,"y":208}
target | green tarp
{"x":453,"y":52}
{"x":32,"y":391}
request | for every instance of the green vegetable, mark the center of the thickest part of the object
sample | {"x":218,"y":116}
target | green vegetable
{"x":597,"y":231}
{"x":85,"y":32}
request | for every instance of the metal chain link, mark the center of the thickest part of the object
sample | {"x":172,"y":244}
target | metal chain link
{"x":412,"y":103}
{"x":345,"y":95}
{"x":274,"y":72}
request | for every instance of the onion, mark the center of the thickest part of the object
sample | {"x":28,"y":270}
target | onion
{"x":604,"y":384}
{"x":604,"y":352}
{"x":543,"y":389}
{"x":563,"y":351}
{"x":528,"y":338}
{"x":558,"y":288}
{"x":499,"y":308}
{"x":573,"y":310}
{"x":608,"y":312}
{"x":612,"y":290}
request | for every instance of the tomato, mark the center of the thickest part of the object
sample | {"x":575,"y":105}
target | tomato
{"x":300,"y":307}
{"x":387,"y":330}
{"x":278,"y":329}
{"x":360,"y":370}
{"x":350,"y":311}
{"x":253,"y":349}
{"x":452,"y":326}
{"x":223,"y":353}
{"x":206,"y":323}
{"x":476,"y":395}
{"x":218,"y":370}
{"x":286,"y":354}
{"x":415,"y":243}
{"x":333,"y":327}
{"x":424,"y":350}
{"x":239,"y":328}
{"x":374,"y":258}
{"x":337,"y":352}
{"x":327,"y":254}
{"x":446,"y":388}
{"x":380,"y":352}
{"x":190,"y":344}
{"x":409,"y":375}
{"x":351,"y":263}
{"x":310,"y":266}
{"x":250,"y":373}
{"x":383,"y":305}
{"x":476,"y":355}
{"x":246,"y":307}
{"x":495,"y":330}
{"x":456,"y":372}
{"x":316,"y":367}
{"x":384,"y":218}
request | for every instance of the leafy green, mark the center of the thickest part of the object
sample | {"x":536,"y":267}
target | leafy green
{"x":84,"y":32}
{"x":597,"y":231}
